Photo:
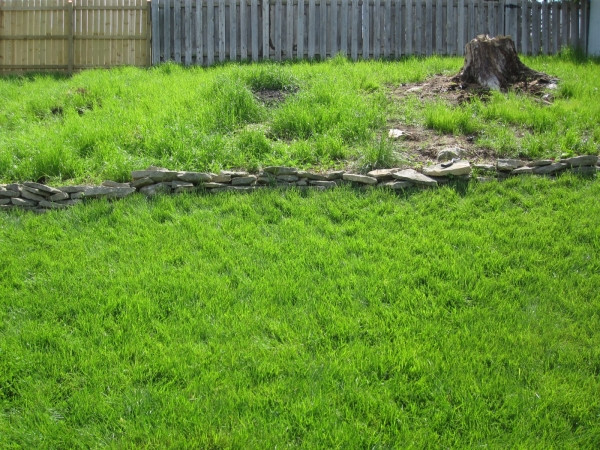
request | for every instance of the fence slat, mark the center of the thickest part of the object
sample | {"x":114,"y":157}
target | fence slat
{"x":365,"y":30}
{"x":535,"y":28}
{"x":232,"y":30}
{"x":545,"y":28}
{"x":333,"y":21}
{"x":311,"y":29}
{"x":419,"y":29}
{"x":409,"y":27}
{"x":277,"y":32}
{"x":289,"y":39}
{"x":254,"y":30}
{"x":265,"y":30}
{"x":323,"y":29}
{"x":199,"y":28}
{"x":300,"y":31}
{"x":344,"y":28}
{"x":376,"y":29}
{"x":354,"y":32}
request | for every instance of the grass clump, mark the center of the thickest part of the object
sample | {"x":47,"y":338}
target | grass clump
{"x":445,"y":318}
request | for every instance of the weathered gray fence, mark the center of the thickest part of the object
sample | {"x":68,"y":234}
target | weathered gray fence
{"x":205,"y":31}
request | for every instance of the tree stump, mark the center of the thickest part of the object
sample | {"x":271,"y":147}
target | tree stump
{"x":493,"y":63}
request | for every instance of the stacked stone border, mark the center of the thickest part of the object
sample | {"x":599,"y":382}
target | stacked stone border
{"x":156,"y":180}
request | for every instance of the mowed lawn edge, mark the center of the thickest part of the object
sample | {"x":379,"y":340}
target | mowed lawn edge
{"x":444,"y":317}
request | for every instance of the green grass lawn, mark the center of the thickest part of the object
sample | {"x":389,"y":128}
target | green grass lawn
{"x":442,"y":318}
{"x":102,"y":124}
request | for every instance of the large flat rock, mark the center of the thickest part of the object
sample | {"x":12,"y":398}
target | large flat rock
{"x":457,"y":168}
{"x":415,"y":177}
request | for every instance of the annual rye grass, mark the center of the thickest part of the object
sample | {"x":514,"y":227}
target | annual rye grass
{"x":459,"y":318}
{"x":101,"y":124}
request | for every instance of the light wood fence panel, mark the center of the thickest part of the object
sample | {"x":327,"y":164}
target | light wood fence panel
{"x":62,"y":35}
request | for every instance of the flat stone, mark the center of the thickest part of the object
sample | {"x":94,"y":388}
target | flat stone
{"x":194,"y":177}
{"x":415,"y":177}
{"x":302,"y":182}
{"x":508,"y":165}
{"x":31,"y":196}
{"x":539,"y":163}
{"x":8,"y":193}
{"x":243,"y":181}
{"x":584,"y":170}
{"x":77,"y":195}
{"x":382,"y":174}
{"x":323,"y":183}
{"x":158,"y":176}
{"x":22,"y":202}
{"x":34,"y":191}
{"x":74,"y":189}
{"x":52,"y":205}
{"x":335,"y":175}
{"x":182,"y":184}
{"x":397,"y":185}
{"x":234,"y":173}
{"x":363,"y":179}
{"x":108,"y":192}
{"x":523,"y":170}
{"x":5,"y":201}
{"x":281,"y":170}
{"x":552,"y":168}
{"x":584,"y":160}
{"x":489,"y":167}
{"x":316,"y":176}
{"x":141,"y":182}
{"x":212,"y":185}
{"x":302,"y":174}
{"x":288,"y":178}
{"x":13,"y":187}
{"x":110,"y":183}
{"x":221,"y":178}
{"x":155,"y":189}
{"x":42,"y":187}
{"x":448,"y":153}
{"x":59,"y":197}
{"x":265,"y":179}
{"x":458,"y":168}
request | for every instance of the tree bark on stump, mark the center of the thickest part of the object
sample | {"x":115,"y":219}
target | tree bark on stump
{"x":493,"y":63}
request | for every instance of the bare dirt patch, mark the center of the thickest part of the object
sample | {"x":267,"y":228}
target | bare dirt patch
{"x":273,"y":97}
{"x":421,"y":145}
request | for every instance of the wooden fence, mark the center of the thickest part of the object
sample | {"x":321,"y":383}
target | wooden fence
{"x":62,"y":35}
{"x":205,"y":31}
{"x":70,"y":35}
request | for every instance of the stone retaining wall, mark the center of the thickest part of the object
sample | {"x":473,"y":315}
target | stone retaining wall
{"x":155,"y":180}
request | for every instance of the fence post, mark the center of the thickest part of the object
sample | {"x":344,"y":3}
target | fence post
{"x":70,"y":33}
{"x":510,"y":21}
{"x":149,"y":36}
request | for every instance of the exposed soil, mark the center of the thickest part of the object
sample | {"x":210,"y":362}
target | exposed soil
{"x":272,"y":97}
{"x":421,"y":145}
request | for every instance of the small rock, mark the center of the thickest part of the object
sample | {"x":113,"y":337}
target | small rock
{"x":396,"y":133}
{"x":397,"y":185}
{"x":382,"y":174}
{"x":302,"y":182}
{"x":41,"y":187}
{"x":415,"y":177}
{"x":59,"y":196}
{"x":13,"y":187}
{"x":449,"y":153}
{"x":77,"y":195}
{"x":141,"y":182}
{"x":539,"y":163}
{"x":155,"y":189}
{"x":110,"y":183}
{"x":265,"y":179}
{"x":522,"y":170}
{"x":233,"y":173}
{"x":363,"y":179}
{"x":584,"y":160}
{"x":458,"y":168}
{"x":552,"y":168}
{"x":34,"y":191}
{"x":323,"y":183}
{"x":243,"y":181}
{"x":508,"y":165}
{"x":22,"y":202}
{"x":194,"y":177}
{"x":182,"y":186}
{"x":5,"y":201}
{"x":281,"y":170}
